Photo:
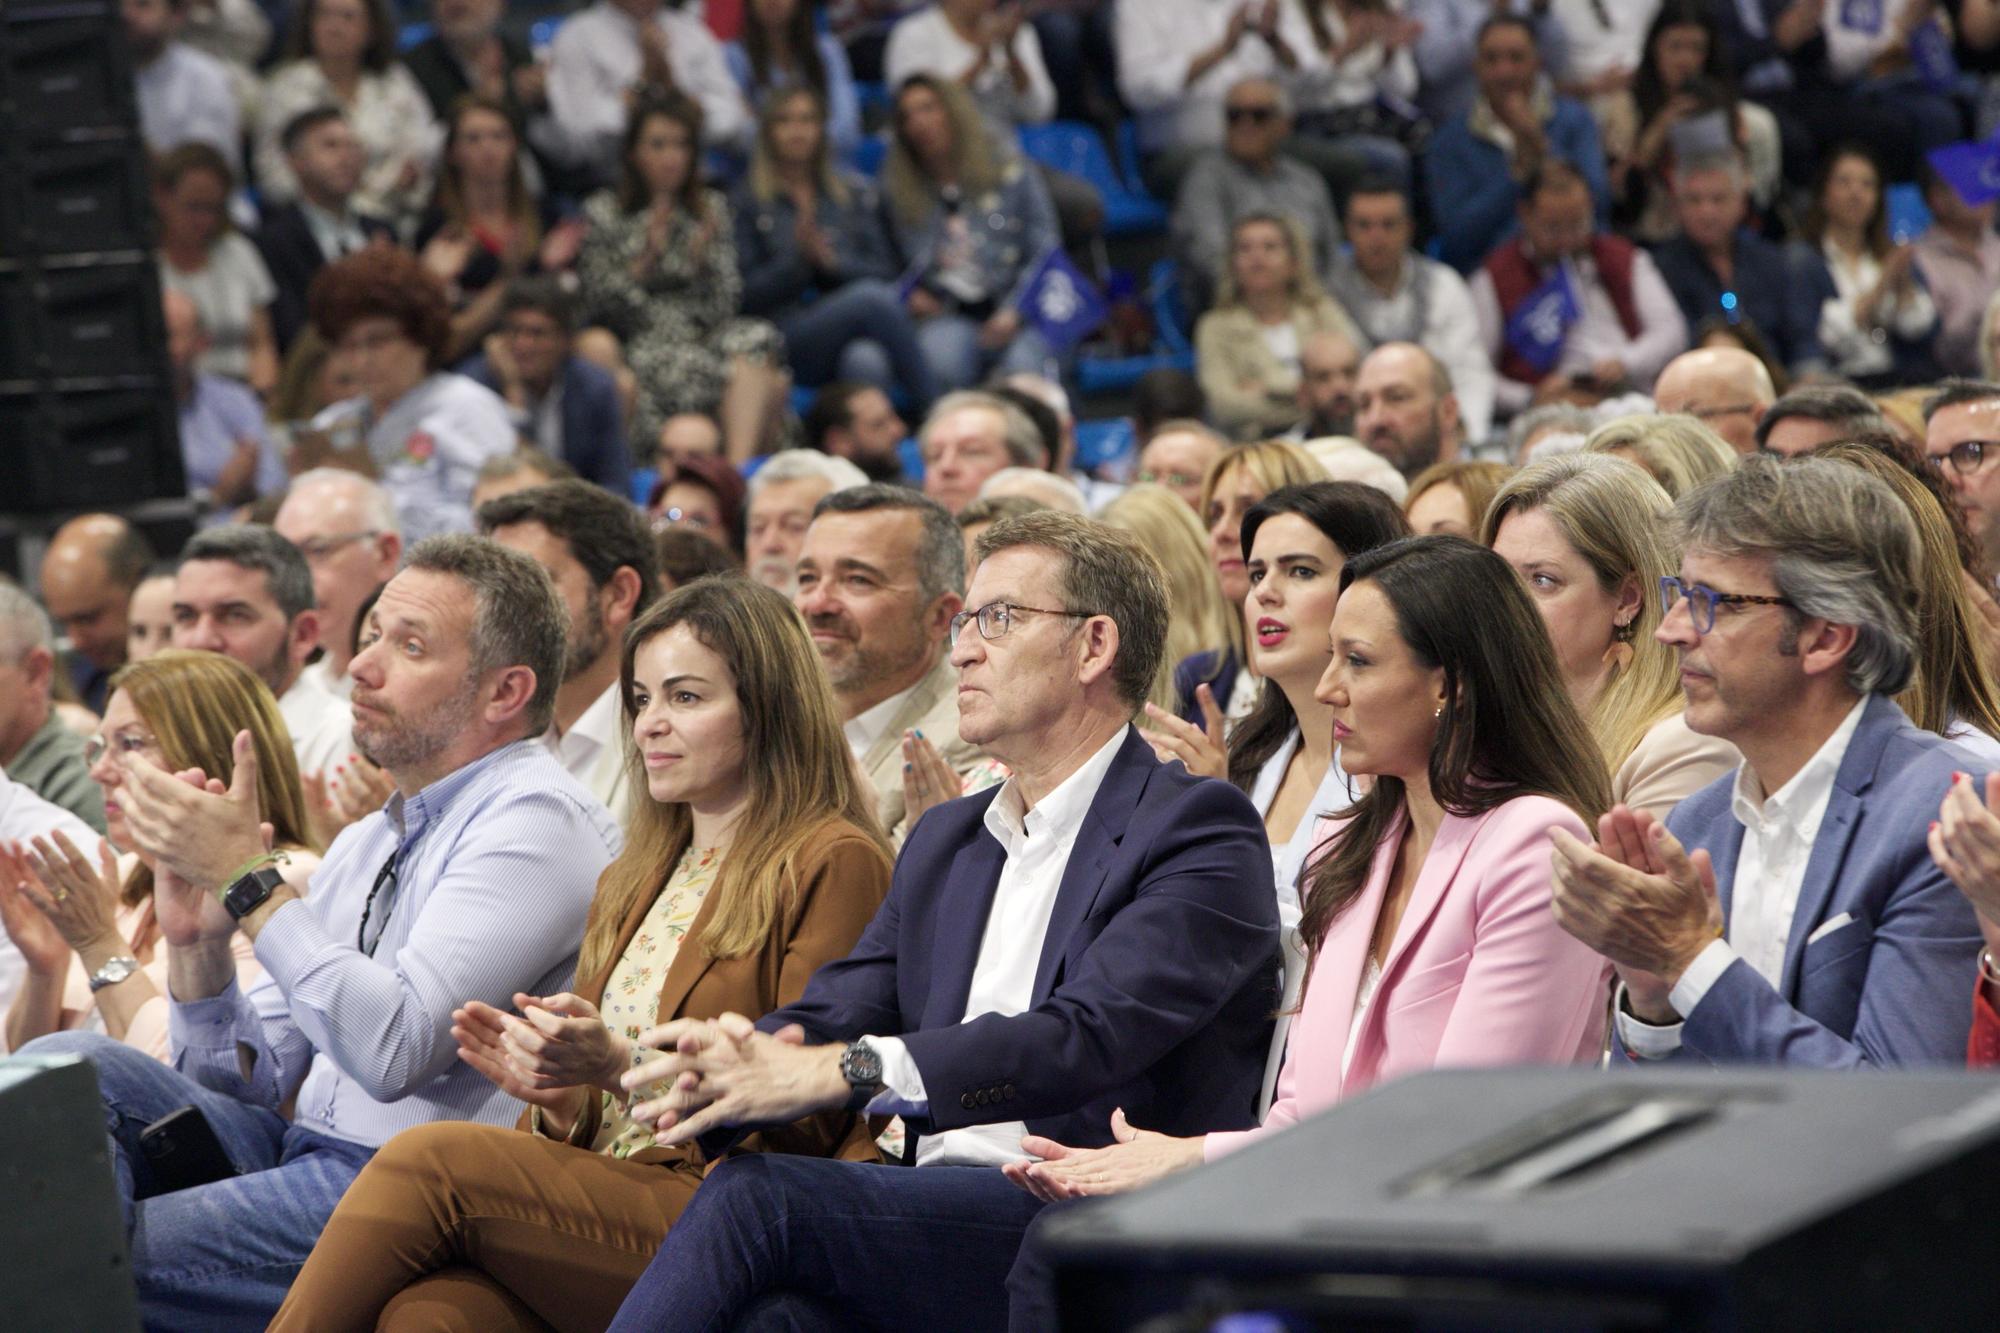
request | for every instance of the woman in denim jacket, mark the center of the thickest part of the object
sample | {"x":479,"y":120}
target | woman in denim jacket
{"x":815,"y":260}
{"x":970,"y":225}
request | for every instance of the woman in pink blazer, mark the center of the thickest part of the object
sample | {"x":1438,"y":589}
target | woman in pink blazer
{"x":1427,"y":919}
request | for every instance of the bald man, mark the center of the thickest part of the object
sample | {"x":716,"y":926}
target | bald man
{"x":1405,"y":409}
{"x":1728,"y":389}
{"x":92,"y":565}
{"x":345,"y":526}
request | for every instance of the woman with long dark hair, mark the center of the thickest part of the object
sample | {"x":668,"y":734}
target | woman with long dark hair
{"x":1877,"y":328}
{"x":781,"y":49}
{"x":756,"y":860}
{"x":1427,"y":902}
{"x":658,"y":270}
{"x":1299,"y":538}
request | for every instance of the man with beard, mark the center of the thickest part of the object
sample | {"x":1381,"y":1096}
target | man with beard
{"x":247,"y":593}
{"x":1327,"y":365}
{"x":598,"y":551}
{"x":1405,"y":408}
{"x":881,"y":574}
{"x":471,"y":884}
{"x":783,"y":493}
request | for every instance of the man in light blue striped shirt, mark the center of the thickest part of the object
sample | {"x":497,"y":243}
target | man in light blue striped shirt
{"x":471,"y":884}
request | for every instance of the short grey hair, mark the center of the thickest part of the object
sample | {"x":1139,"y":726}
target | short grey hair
{"x":1017,"y":428}
{"x":518,"y":616}
{"x":1106,"y":572}
{"x":24,"y":626}
{"x":1842,"y":548}
{"x":1563,"y":418}
{"x":377,"y":509}
{"x":1730,"y":162}
{"x":940,"y":550}
{"x":1051,"y":491}
{"x":799,"y":464}
{"x":255,"y":547}
{"x":1280,"y":94}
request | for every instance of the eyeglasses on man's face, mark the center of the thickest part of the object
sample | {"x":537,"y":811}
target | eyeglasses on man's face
{"x":1702,"y":601}
{"x":995,"y":619}
{"x":1966,"y":457}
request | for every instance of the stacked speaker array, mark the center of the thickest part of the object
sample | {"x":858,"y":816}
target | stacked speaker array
{"x":87,"y":418}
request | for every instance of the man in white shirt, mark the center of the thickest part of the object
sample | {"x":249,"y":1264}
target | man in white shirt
{"x":1177,"y":61}
{"x":247,"y":593}
{"x":345,"y":526}
{"x":880,"y":575}
{"x":600,"y":554}
{"x":1807,"y":925}
{"x":24,"y":816}
{"x":1395,"y":294}
{"x":184,"y":94}
{"x":1032,"y":967}
{"x":987,"y":47}
{"x":1626,"y":324}
{"x":604,"y":55}
{"x":783,"y":493}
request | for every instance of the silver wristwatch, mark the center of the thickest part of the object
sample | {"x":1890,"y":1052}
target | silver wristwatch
{"x":114,"y":971}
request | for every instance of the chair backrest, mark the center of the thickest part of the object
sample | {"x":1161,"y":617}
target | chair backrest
{"x":1169,"y":305}
{"x":1077,"y":149}
{"x":868,"y":155}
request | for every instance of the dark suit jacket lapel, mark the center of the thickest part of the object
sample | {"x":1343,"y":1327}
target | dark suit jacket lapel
{"x":960,"y":926}
{"x":1836,"y":828}
{"x":1090,"y":856}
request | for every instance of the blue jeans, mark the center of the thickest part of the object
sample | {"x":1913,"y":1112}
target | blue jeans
{"x":951,"y":347}
{"x":860,"y":332}
{"x":218,"y":1256}
{"x":773,"y":1242}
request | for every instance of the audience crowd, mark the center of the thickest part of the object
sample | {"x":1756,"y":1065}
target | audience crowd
{"x":590,"y":792}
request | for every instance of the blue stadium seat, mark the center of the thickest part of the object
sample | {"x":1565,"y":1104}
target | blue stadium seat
{"x":413,"y":34}
{"x":873,"y":96}
{"x":1099,"y":442}
{"x":1073,"y":147}
{"x":868,"y":155}
{"x":1172,"y":349}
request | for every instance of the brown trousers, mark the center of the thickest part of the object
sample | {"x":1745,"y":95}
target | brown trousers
{"x":474,"y":1227}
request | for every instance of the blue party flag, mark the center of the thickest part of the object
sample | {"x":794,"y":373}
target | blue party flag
{"x":1930,"y":52}
{"x":1538,"y":328}
{"x":1972,"y":169}
{"x":1061,"y":302}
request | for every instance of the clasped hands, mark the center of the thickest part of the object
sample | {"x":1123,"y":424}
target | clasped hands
{"x":1641,"y":901}
{"x":724,"y":1072}
{"x":195,"y":831}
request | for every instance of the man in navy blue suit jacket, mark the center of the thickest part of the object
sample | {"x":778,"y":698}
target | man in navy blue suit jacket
{"x":562,"y":404}
{"x":1806,"y":923}
{"x":1099,"y":932}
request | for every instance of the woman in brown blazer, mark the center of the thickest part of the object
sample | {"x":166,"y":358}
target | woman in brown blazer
{"x":738,"y":879}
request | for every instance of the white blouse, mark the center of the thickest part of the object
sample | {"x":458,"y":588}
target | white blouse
{"x":1855,"y":350}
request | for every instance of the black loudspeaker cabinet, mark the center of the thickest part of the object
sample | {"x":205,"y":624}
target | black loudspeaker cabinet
{"x":86,"y":404}
{"x":1571,"y":1200}
{"x":63,"y":1260}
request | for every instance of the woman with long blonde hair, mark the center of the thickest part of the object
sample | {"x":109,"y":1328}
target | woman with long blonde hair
{"x":970,"y":225}
{"x":1587,"y":536}
{"x":1200,"y":618}
{"x":757,"y":859}
{"x":74,"y":921}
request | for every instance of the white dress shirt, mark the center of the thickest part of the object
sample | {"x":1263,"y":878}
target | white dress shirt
{"x":595,"y":59}
{"x":1778,"y":835}
{"x":24,"y":815}
{"x":1288,"y":859}
{"x":590,"y":751}
{"x":184,"y":95}
{"x":864,"y":729}
{"x":1038,"y":844}
{"x":1157,"y":40}
{"x":1597,"y":334}
{"x":339,"y":686}
{"x":321,"y":723}
{"x":926,"y":43}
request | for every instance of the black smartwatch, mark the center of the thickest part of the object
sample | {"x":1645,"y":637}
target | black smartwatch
{"x":861,"y":1066}
{"x":247,"y":894}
